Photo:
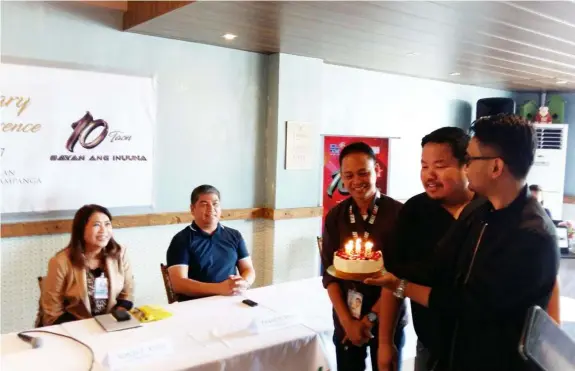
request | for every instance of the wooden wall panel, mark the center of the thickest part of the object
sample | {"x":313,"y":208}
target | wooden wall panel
{"x":297,"y":213}
{"x":145,"y":220}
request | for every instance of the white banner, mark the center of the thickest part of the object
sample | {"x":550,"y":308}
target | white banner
{"x":69,"y":138}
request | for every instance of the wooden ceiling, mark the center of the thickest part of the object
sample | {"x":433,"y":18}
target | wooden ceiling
{"x":510,"y":45}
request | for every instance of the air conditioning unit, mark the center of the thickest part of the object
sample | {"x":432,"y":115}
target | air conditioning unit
{"x":548,"y":170}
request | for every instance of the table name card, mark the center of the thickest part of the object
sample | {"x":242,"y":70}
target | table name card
{"x":271,"y":323}
{"x":122,"y":358}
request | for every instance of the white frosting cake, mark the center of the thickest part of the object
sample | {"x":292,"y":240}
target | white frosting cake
{"x":358,"y":266}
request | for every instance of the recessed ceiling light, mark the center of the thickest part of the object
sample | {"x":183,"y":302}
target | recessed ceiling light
{"x":412,"y":54}
{"x":229,"y":36}
{"x":454,"y":74}
{"x":561,"y":82}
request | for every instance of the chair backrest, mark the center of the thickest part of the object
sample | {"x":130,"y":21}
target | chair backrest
{"x":38,"y":321}
{"x":172,"y":296}
{"x":319,"y":244}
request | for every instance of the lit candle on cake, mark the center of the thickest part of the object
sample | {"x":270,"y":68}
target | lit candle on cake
{"x":348,"y":247}
{"x":368,"y":247}
{"x":358,"y":246}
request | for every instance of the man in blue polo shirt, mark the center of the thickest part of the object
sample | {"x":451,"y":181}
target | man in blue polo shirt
{"x":205,"y":258}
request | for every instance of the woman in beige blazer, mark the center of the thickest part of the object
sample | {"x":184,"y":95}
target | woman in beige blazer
{"x":91,"y":276}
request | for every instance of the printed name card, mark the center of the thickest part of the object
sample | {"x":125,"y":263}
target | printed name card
{"x":271,"y":323}
{"x":125,"y":357}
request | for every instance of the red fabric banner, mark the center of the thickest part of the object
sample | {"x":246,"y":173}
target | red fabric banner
{"x":333,"y":190}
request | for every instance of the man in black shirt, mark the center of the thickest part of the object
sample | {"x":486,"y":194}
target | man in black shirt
{"x":369,"y":215}
{"x":506,"y":256}
{"x":424,"y":220}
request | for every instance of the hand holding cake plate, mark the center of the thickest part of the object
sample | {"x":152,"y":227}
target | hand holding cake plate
{"x":357,"y":261}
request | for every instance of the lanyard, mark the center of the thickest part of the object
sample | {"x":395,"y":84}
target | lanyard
{"x":371,"y":218}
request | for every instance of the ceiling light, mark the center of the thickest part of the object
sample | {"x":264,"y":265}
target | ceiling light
{"x":229,"y":36}
{"x":412,"y":54}
{"x":454,"y":74}
{"x":561,"y":82}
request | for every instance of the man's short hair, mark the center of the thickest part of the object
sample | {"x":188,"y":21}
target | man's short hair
{"x":535,"y":188}
{"x":356,"y":147}
{"x":202,"y":190}
{"x":457,"y":139}
{"x":512,"y":137}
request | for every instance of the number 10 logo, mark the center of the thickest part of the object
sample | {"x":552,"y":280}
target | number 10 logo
{"x":83,"y":128}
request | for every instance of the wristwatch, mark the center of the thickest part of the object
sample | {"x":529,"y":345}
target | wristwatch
{"x":371,"y":317}
{"x":400,"y":290}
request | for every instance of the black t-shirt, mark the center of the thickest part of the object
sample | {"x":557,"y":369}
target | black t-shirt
{"x":338,"y":229}
{"x":421,"y":224}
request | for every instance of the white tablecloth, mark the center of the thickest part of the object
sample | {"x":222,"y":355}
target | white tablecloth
{"x":212,"y":334}
{"x":18,"y":355}
{"x":206,"y":334}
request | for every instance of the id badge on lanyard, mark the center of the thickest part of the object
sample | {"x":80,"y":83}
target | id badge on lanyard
{"x":370,"y":221}
{"x":101,"y":287}
{"x":354,"y":303}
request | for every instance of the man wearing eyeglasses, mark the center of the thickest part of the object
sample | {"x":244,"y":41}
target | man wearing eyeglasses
{"x":504,"y":258}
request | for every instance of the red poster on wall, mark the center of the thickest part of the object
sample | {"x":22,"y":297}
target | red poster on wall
{"x":333,"y":190}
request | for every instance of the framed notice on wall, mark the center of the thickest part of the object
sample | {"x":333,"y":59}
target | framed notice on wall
{"x":71,"y":137}
{"x":333,"y":191}
{"x":299,"y":146}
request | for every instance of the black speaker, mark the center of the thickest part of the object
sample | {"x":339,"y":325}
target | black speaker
{"x":493,"y":106}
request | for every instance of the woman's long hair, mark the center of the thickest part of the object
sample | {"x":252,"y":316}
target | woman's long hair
{"x":77,"y":243}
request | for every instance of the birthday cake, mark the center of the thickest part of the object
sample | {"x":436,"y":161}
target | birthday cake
{"x":357,"y":260}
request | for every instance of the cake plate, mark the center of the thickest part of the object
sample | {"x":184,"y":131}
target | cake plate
{"x":354,"y":276}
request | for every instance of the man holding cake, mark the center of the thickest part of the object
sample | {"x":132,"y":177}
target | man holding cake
{"x":355,"y":233}
{"x":504,"y":258}
{"x":423,"y":221}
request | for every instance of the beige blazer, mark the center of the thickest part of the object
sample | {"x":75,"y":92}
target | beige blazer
{"x":64,"y":289}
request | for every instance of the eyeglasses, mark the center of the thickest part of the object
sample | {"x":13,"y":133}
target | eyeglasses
{"x":469,"y":159}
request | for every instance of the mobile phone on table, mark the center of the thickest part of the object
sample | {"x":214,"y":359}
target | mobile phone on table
{"x":249,"y":302}
{"x":120,"y":315}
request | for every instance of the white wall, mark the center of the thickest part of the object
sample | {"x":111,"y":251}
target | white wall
{"x":569,"y":212}
{"x":367,"y":103}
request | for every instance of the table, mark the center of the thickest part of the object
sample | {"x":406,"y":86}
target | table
{"x":309,"y":300}
{"x":209,"y":334}
{"x":18,"y":355}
